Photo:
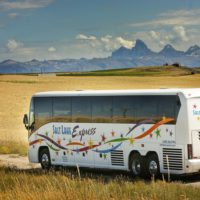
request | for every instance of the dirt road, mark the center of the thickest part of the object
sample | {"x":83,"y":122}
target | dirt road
{"x":16,"y":161}
{"x":22,"y":163}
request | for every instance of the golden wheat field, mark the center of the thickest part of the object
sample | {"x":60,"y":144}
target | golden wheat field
{"x":16,"y":91}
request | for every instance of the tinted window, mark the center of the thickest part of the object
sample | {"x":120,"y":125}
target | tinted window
{"x":131,"y":109}
{"x":62,"y":109}
{"x":124,"y":109}
{"x":43,"y":111}
{"x":81,"y":109}
{"x":147,"y":107}
{"x":169,"y":106}
{"x":102,"y":109}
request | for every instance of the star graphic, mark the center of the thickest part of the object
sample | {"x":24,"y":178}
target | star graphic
{"x":131,"y":140}
{"x":163,"y":118}
{"x":113,"y":133}
{"x":90,"y":143}
{"x":104,"y":156}
{"x":158,"y":133}
{"x":59,"y":141}
{"x":103,"y":138}
{"x":143,"y":129}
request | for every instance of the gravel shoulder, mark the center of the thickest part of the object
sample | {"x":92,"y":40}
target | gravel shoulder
{"x":17,"y":161}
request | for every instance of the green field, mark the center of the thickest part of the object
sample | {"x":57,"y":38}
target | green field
{"x":138,"y":71}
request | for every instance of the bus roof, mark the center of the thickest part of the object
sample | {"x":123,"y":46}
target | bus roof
{"x":188,"y":93}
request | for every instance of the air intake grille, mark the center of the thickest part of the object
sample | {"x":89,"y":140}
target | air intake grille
{"x":174,"y":159}
{"x":117,"y":158}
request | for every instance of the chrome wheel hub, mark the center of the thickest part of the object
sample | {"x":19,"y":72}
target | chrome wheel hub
{"x":136,"y":167}
{"x":45,"y":160}
{"x":153,"y":167}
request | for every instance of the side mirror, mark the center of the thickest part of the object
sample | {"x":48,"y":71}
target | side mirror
{"x":25,"y":121}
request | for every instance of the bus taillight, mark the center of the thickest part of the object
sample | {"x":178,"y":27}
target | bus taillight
{"x":189,"y":149}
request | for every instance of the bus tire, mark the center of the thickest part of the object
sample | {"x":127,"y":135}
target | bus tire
{"x":136,"y":165}
{"x":45,"y":159}
{"x":152,"y":166}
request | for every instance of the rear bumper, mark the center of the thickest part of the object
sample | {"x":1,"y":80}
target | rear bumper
{"x":192,"y":166}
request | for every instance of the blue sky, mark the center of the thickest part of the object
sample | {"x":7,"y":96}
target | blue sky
{"x":56,"y":29}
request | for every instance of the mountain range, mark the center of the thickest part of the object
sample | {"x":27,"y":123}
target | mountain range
{"x":139,"y":55}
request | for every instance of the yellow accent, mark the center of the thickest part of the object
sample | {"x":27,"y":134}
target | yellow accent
{"x":90,"y":143}
{"x":164,"y":118}
{"x":131,"y":140}
{"x":113,"y":133}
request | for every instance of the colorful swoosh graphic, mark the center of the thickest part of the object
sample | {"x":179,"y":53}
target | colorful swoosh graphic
{"x":57,"y":147}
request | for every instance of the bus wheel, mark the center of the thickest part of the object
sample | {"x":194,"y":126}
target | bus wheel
{"x":45,"y":160}
{"x":152,"y":166}
{"x":136,"y":165}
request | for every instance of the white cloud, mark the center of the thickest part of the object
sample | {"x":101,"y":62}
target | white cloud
{"x":51,"y":49}
{"x":173,"y":18}
{"x":85,"y":37}
{"x":13,"y":45}
{"x":155,"y":35}
{"x":180,"y":30}
{"x":125,"y":43}
{"x":106,"y":39}
{"x":23,"y":4}
{"x":13,"y":15}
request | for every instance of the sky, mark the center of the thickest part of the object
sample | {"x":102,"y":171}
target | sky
{"x":61,"y":29}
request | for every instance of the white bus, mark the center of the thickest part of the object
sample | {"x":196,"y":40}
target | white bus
{"x":147,"y":132}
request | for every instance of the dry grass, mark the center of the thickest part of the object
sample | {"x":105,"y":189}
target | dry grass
{"x":66,"y":185}
{"x":17,"y":90}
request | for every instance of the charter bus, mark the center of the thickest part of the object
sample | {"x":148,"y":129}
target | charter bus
{"x":146,"y":132}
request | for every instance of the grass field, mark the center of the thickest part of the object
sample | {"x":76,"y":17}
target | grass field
{"x":16,"y":91}
{"x":28,"y":185}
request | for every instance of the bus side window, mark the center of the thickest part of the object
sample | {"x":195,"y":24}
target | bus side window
{"x":81,"y":109}
{"x":62,"y":109}
{"x":102,"y":109}
{"x":123,"y":109}
{"x":147,"y":107}
{"x":43,"y":111}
